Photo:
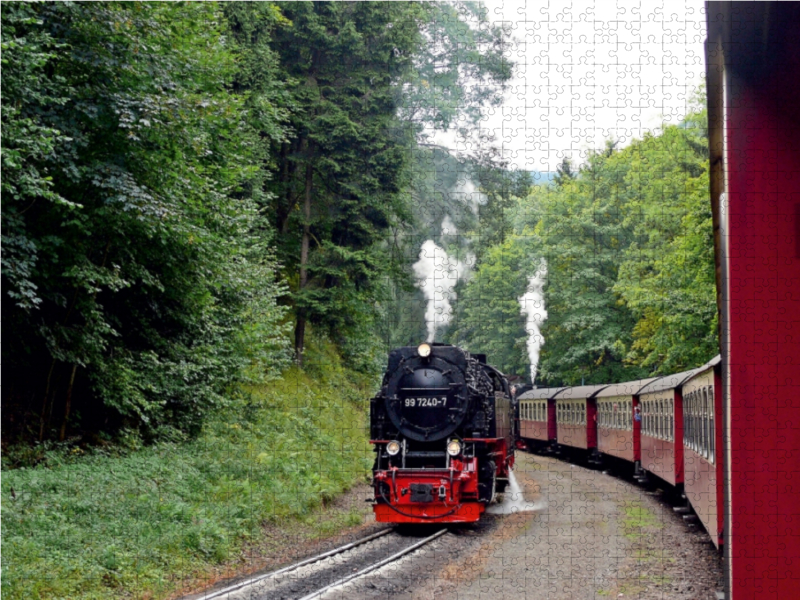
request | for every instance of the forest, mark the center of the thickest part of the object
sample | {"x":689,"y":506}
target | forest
{"x":207,"y":207}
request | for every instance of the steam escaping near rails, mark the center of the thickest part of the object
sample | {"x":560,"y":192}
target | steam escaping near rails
{"x":532,"y":306}
{"x":437,"y":275}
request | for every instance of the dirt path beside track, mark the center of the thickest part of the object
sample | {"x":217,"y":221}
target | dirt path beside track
{"x":597,"y":537}
{"x":591,"y":536}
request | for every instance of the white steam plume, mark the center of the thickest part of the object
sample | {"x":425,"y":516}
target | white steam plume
{"x":437,"y":274}
{"x":532,"y":306}
{"x":448,"y":227}
{"x":467,"y":193}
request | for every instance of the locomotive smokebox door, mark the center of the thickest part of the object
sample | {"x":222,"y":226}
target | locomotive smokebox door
{"x":421,"y":492}
{"x":426,"y":398}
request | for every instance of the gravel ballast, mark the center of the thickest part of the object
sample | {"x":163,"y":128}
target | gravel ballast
{"x":590,"y":535}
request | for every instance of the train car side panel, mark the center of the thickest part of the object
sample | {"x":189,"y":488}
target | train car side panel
{"x":754,"y":98}
{"x":658,"y":458}
{"x":702,"y":484}
{"x":591,"y":423}
{"x":614,"y":427}
{"x":658,"y":435}
{"x":534,"y":430}
{"x":552,"y":423}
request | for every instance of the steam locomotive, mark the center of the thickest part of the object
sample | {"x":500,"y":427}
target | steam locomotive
{"x":443,"y":431}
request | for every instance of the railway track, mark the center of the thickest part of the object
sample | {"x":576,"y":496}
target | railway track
{"x":314,"y":577}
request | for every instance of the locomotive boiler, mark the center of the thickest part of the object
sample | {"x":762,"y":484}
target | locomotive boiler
{"x":442,"y":428}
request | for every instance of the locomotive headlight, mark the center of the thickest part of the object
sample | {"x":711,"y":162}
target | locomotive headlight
{"x":424,"y":350}
{"x":393,"y":447}
{"x":454,"y":447}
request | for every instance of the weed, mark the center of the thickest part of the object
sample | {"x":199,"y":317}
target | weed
{"x":91,"y":525}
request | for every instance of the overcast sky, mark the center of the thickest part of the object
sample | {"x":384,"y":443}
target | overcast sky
{"x":589,"y":71}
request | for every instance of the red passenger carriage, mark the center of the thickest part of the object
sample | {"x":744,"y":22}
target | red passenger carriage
{"x":537,"y":417}
{"x":617,"y":429}
{"x":753,"y":82}
{"x":661,"y":432}
{"x":702,"y":437}
{"x":576,"y":414}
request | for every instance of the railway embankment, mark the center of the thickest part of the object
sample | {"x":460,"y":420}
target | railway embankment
{"x":262,"y":484}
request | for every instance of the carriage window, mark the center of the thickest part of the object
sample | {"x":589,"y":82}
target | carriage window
{"x":687,"y":420}
{"x":712,"y":441}
{"x":693,"y":420}
{"x":706,"y":422}
{"x":659,"y":410}
{"x":669,"y":420}
{"x":643,"y":412}
{"x":701,"y":418}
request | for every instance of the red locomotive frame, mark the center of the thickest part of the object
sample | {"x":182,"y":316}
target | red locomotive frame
{"x":456,"y":486}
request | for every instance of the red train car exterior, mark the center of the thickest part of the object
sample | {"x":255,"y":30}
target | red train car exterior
{"x":753,"y":82}
{"x":615,"y":419}
{"x":661,"y":431}
{"x":576,"y":414}
{"x":537,"y":417}
{"x":702,"y":439}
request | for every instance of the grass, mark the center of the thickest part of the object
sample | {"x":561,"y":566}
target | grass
{"x":640,"y":524}
{"x":94,"y":526}
{"x":638,"y":519}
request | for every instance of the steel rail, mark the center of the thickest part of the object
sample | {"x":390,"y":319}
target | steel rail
{"x":375,"y":566}
{"x":303,"y":563}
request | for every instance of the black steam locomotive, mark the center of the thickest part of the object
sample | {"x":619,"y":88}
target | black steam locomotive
{"x":443,"y":431}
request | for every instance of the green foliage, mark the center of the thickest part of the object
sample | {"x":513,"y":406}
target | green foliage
{"x":94,"y":526}
{"x":488,"y":318}
{"x":667,"y":276}
{"x":134,"y":286}
{"x":460,"y":68}
{"x":629,"y":248}
{"x":338,"y":178}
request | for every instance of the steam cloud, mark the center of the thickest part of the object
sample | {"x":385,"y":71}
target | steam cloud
{"x":448,"y":227}
{"x":437,"y":274}
{"x":467,"y":193}
{"x":532,"y":306}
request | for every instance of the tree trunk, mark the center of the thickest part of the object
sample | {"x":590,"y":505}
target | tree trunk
{"x":300,"y":327}
{"x":68,"y":404}
{"x":44,"y":402}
